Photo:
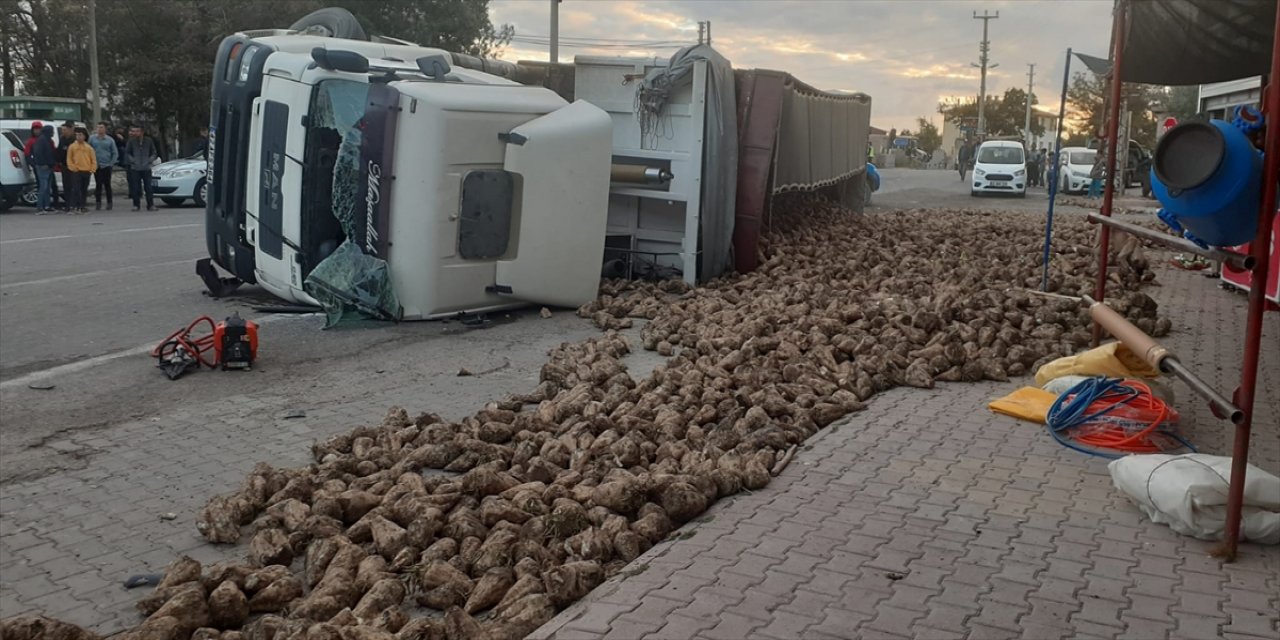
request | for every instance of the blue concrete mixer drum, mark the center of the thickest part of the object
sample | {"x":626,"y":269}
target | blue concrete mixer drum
{"x":1208,"y":176}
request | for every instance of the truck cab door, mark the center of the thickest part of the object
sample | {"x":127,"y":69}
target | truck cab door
{"x":272,"y":196}
{"x":562,"y":163}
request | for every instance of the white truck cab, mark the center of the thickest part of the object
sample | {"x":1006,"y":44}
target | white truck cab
{"x":378,"y":176}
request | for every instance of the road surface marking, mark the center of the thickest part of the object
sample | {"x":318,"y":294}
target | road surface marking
{"x":104,"y":233}
{"x":89,"y":363}
{"x":91,"y":274}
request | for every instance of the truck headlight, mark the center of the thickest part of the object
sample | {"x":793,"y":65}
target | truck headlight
{"x":182,"y":173}
{"x":1020,"y":172}
{"x":246,"y":60}
{"x":979,"y":172}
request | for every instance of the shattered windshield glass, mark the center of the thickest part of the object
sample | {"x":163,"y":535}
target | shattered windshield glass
{"x":344,"y":277}
{"x":338,"y":107}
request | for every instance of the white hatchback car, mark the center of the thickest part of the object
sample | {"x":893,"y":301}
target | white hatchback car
{"x":176,"y":180}
{"x":1000,"y":166}
{"x":1073,"y":171}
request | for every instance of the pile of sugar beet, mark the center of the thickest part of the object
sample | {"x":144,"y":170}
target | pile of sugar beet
{"x":542,"y":496}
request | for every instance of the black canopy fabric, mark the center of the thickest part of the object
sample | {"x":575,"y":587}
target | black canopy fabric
{"x":1100,"y":66}
{"x":1178,"y":42}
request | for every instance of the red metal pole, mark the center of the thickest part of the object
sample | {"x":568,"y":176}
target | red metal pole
{"x":1257,"y":302}
{"x":1113,"y":127}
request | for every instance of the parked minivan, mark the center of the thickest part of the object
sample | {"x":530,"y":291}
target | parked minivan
{"x":1000,"y":166}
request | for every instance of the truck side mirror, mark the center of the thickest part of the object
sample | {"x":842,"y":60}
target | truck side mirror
{"x":434,"y":66}
{"x":339,"y":60}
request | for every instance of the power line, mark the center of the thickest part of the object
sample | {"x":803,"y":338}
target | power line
{"x":568,"y":45}
{"x":580,"y":39}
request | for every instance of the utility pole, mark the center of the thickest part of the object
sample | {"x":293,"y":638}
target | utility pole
{"x":983,"y":59}
{"x":93,"y":64}
{"x":555,"y":31}
{"x":704,"y":32}
{"x":1031,"y":83}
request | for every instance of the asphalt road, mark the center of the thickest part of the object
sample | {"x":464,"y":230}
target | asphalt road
{"x":76,"y":287}
{"x":82,"y":299}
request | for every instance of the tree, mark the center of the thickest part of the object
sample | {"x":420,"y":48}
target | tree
{"x":452,"y":25}
{"x":1182,"y":102}
{"x":1087,"y":96}
{"x":1005,"y":115}
{"x":156,"y":56}
{"x":927,"y":136}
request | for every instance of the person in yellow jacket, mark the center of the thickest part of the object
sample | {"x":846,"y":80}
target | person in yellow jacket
{"x":82,"y":162}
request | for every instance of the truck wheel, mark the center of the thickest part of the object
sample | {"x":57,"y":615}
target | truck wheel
{"x":331,"y":22}
{"x":30,"y":196}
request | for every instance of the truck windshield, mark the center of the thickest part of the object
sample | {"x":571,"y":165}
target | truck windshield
{"x":332,"y":175}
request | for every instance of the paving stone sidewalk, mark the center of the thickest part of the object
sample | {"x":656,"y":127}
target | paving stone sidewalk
{"x":68,"y":540}
{"x":926,"y":516}
{"x":921,"y":516}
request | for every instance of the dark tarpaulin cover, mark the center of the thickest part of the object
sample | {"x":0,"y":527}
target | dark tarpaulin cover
{"x":720,"y":160}
{"x":1100,"y":66}
{"x":1179,"y":42}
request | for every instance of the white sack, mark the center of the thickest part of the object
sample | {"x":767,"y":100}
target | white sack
{"x":1189,"y":493}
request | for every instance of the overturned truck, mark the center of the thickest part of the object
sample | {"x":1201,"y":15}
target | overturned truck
{"x":405,"y":182}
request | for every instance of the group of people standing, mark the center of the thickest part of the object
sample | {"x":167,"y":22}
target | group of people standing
{"x":78,"y":155}
{"x":1038,"y":163}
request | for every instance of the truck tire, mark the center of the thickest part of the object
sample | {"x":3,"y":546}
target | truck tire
{"x":331,"y":22}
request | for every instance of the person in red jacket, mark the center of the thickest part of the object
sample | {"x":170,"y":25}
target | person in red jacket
{"x":27,"y":151}
{"x":35,"y":135}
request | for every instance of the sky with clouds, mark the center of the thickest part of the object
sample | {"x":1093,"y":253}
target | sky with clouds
{"x":907,"y":54}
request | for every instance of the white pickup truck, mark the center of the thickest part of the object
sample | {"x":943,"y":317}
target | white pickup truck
{"x":384,"y":176}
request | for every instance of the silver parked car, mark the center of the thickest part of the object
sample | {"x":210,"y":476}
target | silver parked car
{"x":177,"y":180}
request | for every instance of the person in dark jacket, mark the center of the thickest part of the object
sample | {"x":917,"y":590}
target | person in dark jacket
{"x":66,"y":137}
{"x":44,"y":156}
{"x":964,"y":158}
{"x":121,"y":138}
{"x":202,"y":143}
{"x":139,"y":155}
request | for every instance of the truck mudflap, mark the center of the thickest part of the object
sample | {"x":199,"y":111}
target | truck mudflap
{"x":563,"y":161}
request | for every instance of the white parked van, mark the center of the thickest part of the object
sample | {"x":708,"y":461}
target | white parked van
{"x":1000,"y":166}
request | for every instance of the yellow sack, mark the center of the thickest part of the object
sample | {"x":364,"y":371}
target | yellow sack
{"x":1113,"y":360}
{"x":1027,"y":403}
